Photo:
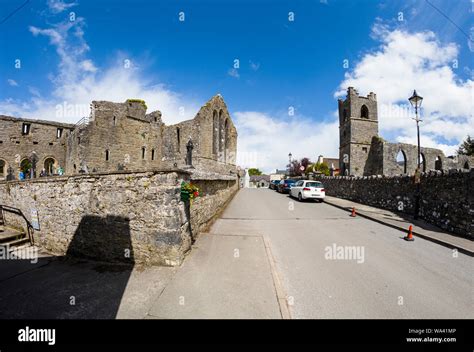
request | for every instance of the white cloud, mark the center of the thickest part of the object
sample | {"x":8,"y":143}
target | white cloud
{"x":58,"y":6}
{"x":88,"y":66}
{"x":78,"y":81}
{"x":407,"y":61}
{"x":254,"y":66}
{"x":265,"y":140}
{"x":233,"y":72}
{"x":12,"y":82}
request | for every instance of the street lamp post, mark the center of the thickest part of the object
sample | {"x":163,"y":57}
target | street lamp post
{"x":415,"y":101}
{"x":289,"y":163}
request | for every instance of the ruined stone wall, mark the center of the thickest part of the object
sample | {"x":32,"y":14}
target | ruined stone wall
{"x":102,"y":216}
{"x":42,"y":138}
{"x":428,"y":159}
{"x":215,"y":194}
{"x":119,"y":136}
{"x":447,"y":198}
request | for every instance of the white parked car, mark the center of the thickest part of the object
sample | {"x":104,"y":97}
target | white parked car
{"x":306,"y":189}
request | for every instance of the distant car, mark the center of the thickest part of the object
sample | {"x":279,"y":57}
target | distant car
{"x":274,"y":184}
{"x":285,"y":186}
{"x":306,"y":189}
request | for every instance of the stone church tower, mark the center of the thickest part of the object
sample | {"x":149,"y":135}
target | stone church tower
{"x":358,"y":123}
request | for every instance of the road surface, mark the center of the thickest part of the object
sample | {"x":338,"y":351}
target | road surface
{"x":334,"y":266}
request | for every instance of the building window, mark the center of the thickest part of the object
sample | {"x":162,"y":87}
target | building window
{"x":35,"y":143}
{"x":153,"y":154}
{"x":364,"y":112}
{"x":107,"y":155}
{"x":78,"y":140}
{"x":115,"y":121}
{"x":364,"y":149}
{"x":438,"y":163}
{"x":2,"y":168}
{"x":178,"y":137}
{"x":143,"y":153}
{"x":215,"y":133}
{"x":59,"y":133}
{"x":25,"y":129}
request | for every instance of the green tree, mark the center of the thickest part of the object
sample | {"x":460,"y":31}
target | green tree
{"x":467,"y":147}
{"x":254,"y":172}
{"x":318,"y":167}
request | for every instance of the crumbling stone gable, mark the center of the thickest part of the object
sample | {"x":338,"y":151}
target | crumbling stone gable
{"x":213,"y":134}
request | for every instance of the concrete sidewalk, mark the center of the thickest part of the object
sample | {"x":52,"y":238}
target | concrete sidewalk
{"x":394,"y":220}
{"x":224,"y":277}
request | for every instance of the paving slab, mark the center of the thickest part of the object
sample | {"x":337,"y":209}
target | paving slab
{"x":224,"y":277}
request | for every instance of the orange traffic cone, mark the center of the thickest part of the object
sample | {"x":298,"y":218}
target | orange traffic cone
{"x":409,"y":237}
{"x":353,"y":212}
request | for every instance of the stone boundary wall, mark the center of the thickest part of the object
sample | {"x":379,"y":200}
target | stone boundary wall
{"x":215,"y":194}
{"x":447,"y":198}
{"x":135,"y":217}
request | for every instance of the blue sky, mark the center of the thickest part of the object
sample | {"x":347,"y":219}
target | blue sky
{"x":176,"y":66}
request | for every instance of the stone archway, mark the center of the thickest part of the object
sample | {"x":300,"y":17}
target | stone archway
{"x":401,"y":160}
{"x":422,"y":162}
{"x":50,"y":165}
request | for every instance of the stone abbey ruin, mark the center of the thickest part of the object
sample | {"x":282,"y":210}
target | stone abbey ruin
{"x":117,"y":137}
{"x":111,"y":185}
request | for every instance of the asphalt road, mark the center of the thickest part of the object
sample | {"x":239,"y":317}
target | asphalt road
{"x":376,"y":275}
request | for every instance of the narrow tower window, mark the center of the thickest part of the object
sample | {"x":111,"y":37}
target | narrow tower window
{"x":178,"y":138}
{"x":26,"y":128}
{"x":364,"y":112}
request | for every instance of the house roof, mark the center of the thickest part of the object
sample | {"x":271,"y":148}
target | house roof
{"x":281,"y":172}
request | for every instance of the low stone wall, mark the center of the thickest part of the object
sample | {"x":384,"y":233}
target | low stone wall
{"x":135,"y":217}
{"x":215,"y":194}
{"x":447,"y":198}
